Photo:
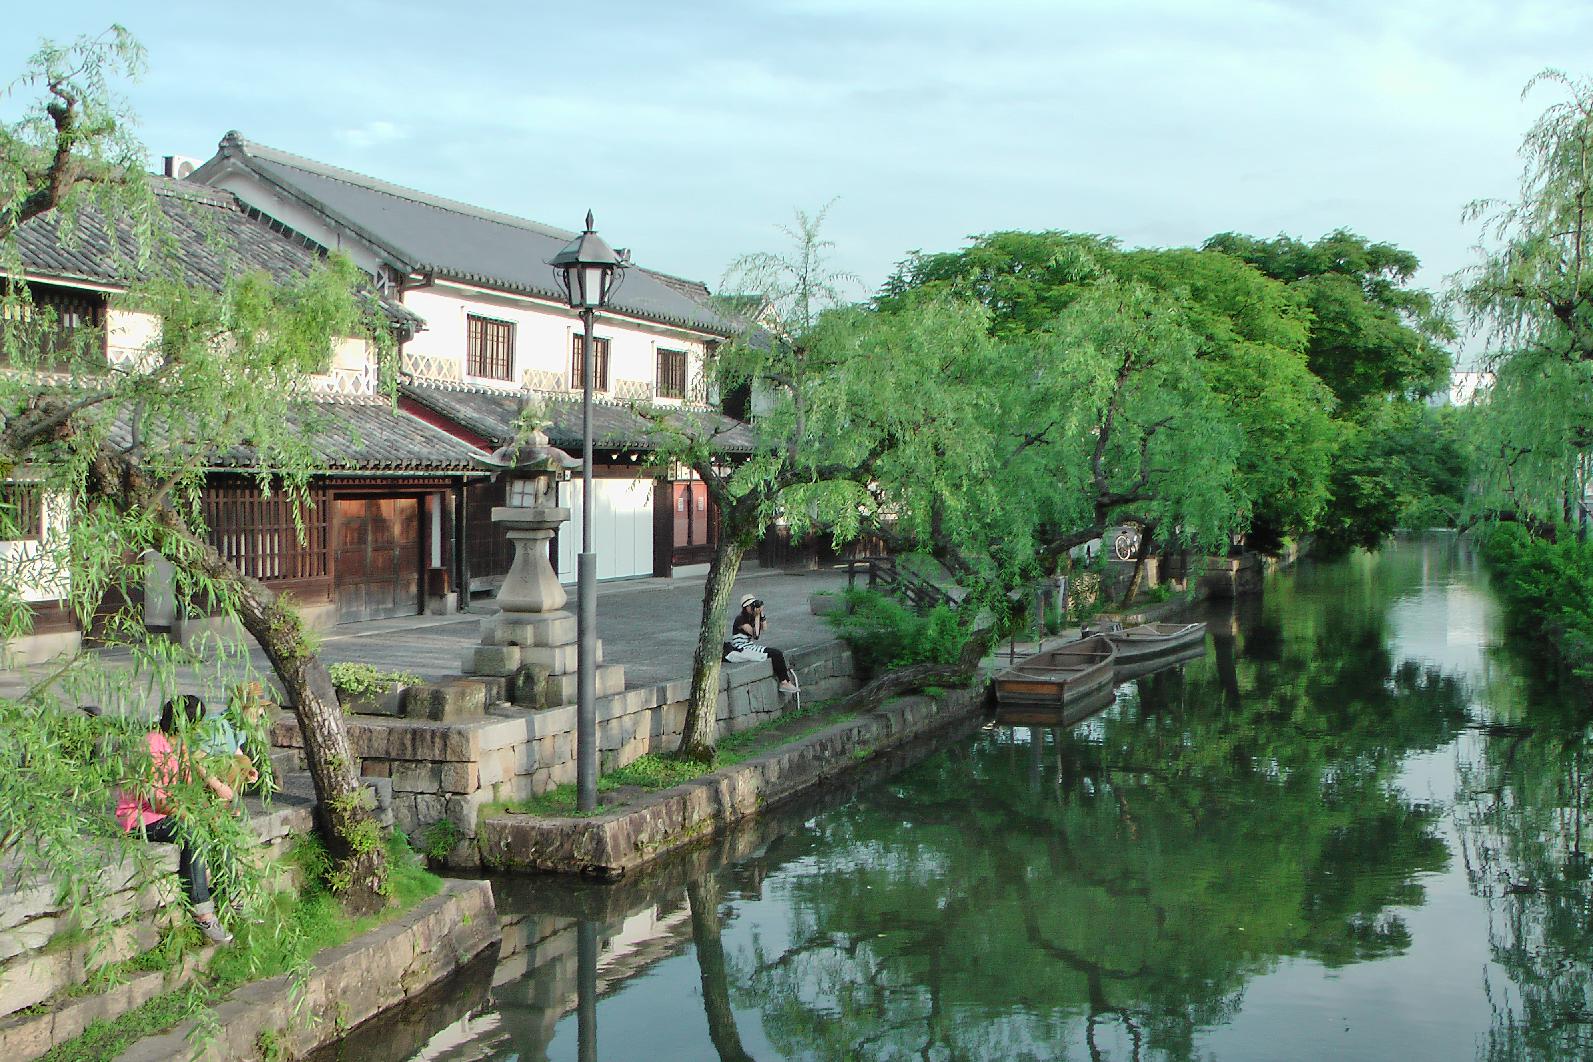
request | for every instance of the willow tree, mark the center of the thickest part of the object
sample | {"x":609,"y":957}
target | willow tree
{"x":1532,"y":295}
{"x":125,"y":448}
{"x":839,"y":397}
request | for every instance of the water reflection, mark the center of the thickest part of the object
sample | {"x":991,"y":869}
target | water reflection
{"x":1353,"y":828}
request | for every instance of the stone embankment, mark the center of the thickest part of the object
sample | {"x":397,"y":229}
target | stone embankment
{"x":50,"y":948}
{"x":613,"y":843}
{"x":475,"y":749}
{"x":285,"y":1017}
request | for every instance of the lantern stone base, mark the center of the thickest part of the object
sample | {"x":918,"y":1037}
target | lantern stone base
{"x":525,"y":628}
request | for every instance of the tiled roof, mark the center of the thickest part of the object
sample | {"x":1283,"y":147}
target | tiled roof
{"x":492,"y":415}
{"x":429,"y":234}
{"x":354,"y":433}
{"x":213,"y":238}
{"x":368,"y":434}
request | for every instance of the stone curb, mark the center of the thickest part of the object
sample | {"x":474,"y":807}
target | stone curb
{"x":612,"y":844}
{"x":346,"y":985}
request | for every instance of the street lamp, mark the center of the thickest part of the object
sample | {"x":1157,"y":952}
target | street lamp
{"x":588,"y":270}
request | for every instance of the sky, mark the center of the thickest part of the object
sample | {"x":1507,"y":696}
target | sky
{"x":694,"y":130}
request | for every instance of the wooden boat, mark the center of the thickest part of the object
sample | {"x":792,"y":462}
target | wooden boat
{"x":1149,"y":665}
{"x":1059,"y":675}
{"x":1076,"y":710}
{"x":1150,"y":640}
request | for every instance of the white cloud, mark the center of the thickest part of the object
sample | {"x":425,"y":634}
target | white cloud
{"x":372,"y":134}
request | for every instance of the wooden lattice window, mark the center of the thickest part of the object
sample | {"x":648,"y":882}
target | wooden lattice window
{"x":53,"y":320}
{"x":599,"y":363}
{"x":490,"y":347}
{"x":259,"y":536}
{"x":671,"y":373}
{"x":21,"y":512}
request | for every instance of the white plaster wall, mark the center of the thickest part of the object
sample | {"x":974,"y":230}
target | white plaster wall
{"x":27,"y":563}
{"x":129,"y":335}
{"x":543,"y":338}
{"x":622,"y":528}
{"x":290,"y":213}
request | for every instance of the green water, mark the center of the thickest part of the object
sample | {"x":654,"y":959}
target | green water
{"x":1353,"y":830}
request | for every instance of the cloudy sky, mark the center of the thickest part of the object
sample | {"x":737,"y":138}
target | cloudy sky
{"x":693,"y":129}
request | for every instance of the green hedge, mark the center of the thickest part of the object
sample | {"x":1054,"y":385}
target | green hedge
{"x":1547,"y":590}
{"x":884,"y":634}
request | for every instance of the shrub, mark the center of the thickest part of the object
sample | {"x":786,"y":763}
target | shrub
{"x":1547,"y":590}
{"x":884,"y":634}
{"x":355,"y":680}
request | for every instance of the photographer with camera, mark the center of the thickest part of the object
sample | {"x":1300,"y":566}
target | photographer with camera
{"x":745,"y":645}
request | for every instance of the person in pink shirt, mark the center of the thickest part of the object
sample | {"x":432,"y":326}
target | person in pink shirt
{"x":153,"y":813}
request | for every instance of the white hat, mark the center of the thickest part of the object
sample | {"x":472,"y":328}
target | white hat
{"x":747,"y":599}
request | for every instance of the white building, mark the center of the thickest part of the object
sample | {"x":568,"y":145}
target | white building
{"x":496,"y":332}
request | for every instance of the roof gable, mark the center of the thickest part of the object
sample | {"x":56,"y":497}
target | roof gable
{"x":432,"y":234}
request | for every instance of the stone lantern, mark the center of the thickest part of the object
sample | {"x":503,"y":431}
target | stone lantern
{"x":532,"y":640}
{"x":531,"y":517}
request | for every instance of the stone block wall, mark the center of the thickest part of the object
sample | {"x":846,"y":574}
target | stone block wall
{"x":45,"y":952}
{"x":448,"y":770}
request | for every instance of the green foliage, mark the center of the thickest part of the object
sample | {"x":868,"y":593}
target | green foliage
{"x":885,"y":634}
{"x":286,"y":932}
{"x":1547,"y":590}
{"x":356,"y":680}
{"x":1401,"y":464}
{"x":440,"y":838}
{"x":1372,"y":334}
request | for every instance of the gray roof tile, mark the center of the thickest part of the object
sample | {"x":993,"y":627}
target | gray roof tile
{"x":492,"y":415}
{"x":213,"y":239}
{"x":427,"y":233}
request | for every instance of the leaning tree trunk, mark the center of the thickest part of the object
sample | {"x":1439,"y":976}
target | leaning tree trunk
{"x":915,"y":677}
{"x":348,"y":824}
{"x":698,"y":735}
{"x":1140,"y":556}
{"x":702,"y":894}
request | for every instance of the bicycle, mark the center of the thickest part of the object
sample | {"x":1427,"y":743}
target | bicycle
{"x":1126,"y":544}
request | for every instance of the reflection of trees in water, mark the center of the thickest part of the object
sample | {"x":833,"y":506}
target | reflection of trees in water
{"x":1114,"y":888}
{"x":1523,"y":823}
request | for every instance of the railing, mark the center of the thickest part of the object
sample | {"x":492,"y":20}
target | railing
{"x":887,"y":577}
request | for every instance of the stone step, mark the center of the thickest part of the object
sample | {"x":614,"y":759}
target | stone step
{"x":561,"y":689}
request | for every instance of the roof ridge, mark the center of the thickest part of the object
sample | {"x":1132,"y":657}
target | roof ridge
{"x":389,"y":188}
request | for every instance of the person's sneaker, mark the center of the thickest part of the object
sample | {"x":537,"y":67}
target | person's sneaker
{"x":214,"y":931}
{"x":788,"y":687}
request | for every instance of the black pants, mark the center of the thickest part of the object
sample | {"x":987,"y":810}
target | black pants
{"x":196,"y":879}
{"x":777,"y":658}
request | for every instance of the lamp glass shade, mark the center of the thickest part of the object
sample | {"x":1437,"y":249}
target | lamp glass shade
{"x":522,"y":492}
{"x":592,"y":285}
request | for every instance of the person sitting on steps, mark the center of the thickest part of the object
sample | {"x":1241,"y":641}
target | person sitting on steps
{"x":153,"y":813}
{"x":745,"y":633}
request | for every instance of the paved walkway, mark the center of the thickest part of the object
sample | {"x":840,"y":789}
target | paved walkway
{"x":647,"y":625}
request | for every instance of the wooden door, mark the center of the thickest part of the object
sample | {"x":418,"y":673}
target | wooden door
{"x":377,"y":561}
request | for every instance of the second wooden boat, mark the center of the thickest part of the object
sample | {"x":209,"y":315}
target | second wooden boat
{"x":1059,"y":675}
{"x":1150,"y":640}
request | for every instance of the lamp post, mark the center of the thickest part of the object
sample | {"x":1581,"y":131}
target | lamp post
{"x":588,"y":270}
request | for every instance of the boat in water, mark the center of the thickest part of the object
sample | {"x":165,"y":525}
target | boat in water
{"x":1057,"y":676}
{"x":1074,"y":710}
{"x":1151,"y":641}
{"x":1150,"y":665}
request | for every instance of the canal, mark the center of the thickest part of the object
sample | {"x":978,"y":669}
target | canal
{"x":1352,"y":830}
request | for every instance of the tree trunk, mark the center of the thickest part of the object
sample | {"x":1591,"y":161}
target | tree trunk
{"x":1140,"y":556}
{"x":348,"y":826}
{"x":703,"y":895}
{"x":698,"y":734}
{"x":917,"y":676}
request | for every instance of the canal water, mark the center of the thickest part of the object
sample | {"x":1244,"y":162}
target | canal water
{"x":1353,"y":830}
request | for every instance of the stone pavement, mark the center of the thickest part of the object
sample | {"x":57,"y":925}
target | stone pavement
{"x":647,"y":625}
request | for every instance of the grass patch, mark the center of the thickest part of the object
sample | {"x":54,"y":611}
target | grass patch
{"x":656,"y":771}
{"x":293,"y":927}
